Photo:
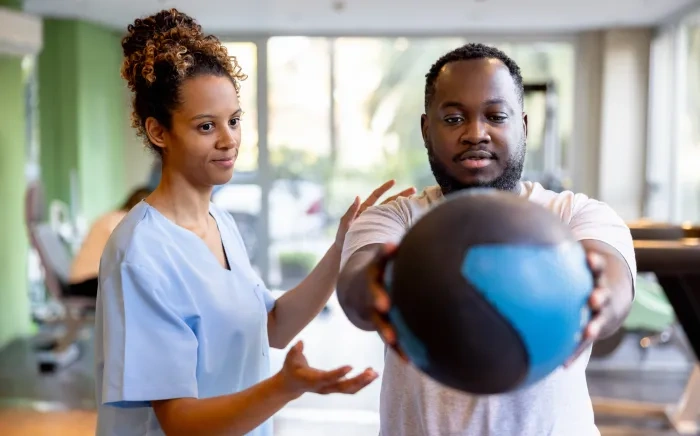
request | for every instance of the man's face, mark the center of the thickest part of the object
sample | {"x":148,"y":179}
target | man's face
{"x":475,"y":129}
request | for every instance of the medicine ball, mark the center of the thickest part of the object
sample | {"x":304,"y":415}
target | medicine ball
{"x":489,"y":292}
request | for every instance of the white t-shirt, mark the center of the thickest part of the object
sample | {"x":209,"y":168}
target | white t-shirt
{"x":412,"y":404}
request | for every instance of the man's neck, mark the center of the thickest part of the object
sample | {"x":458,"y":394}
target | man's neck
{"x":517,"y":189}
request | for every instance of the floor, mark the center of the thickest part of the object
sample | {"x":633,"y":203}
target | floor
{"x":63,"y":403}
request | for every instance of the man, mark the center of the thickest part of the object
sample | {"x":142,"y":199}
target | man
{"x":475,"y":130}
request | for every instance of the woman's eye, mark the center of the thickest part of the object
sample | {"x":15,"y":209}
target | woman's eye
{"x":207,"y":127}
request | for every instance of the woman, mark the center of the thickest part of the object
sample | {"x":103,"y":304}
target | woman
{"x":86,"y":264}
{"x":183,"y":324}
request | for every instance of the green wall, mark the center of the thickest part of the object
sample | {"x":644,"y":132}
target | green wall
{"x":14,"y":297}
{"x":83,"y":120}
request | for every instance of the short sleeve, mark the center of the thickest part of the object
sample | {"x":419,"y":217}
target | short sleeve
{"x":592,"y":219}
{"x":268,"y":299}
{"x":150,"y":351}
{"x":386,"y":223}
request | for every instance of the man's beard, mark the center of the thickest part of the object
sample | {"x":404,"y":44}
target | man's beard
{"x":507,"y":181}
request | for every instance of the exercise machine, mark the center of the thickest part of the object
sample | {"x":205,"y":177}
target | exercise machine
{"x":651,"y":317}
{"x":543,"y":161}
{"x":674,"y":262}
{"x":60,"y":348}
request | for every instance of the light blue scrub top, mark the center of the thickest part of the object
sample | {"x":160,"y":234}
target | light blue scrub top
{"x":172,"y":323}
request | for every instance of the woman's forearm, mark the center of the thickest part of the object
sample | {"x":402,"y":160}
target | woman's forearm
{"x":295,"y":309}
{"x":235,"y":414}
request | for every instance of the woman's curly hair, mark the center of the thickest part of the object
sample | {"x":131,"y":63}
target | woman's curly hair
{"x":162,"y":51}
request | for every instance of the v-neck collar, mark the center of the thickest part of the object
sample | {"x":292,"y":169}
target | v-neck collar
{"x":203,"y":244}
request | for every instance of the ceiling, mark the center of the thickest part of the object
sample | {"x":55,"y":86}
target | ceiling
{"x":377,"y":16}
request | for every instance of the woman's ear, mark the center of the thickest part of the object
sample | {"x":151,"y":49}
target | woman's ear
{"x":155,"y":132}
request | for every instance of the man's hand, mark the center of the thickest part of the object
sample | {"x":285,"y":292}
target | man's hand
{"x":599,"y":302}
{"x":380,"y":303}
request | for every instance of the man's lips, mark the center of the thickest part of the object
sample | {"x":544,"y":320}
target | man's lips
{"x":475,"y":159}
{"x":475,"y":154}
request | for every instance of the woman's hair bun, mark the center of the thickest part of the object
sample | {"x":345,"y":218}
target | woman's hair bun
{"x":167,"y":35}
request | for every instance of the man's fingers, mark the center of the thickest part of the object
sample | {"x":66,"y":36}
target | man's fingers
{"x":587,"y":340}
{"x":385,"y":330}
{"x":596,"y":262}
{"x":590,"y":334}
{"x":593,"y":329}
{"x":385,"y":254}
{"x":599,"y":298}
{"x":380,"y":299}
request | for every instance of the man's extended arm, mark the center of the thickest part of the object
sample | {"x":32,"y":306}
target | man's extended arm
{"x":374,"y":228}
{"x":619,"y":281}
{"x":602,"y":231}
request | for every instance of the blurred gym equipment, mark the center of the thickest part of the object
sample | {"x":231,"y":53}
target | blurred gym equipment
{"x":542,"y":163}
{"x":59,"y":348}
{"x":651,"y":316}
{"x":674,"y":262}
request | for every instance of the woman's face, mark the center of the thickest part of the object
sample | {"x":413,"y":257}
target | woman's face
{"x":202,"y":143}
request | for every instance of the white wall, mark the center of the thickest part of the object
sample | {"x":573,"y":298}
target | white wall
{"x":611,"y":118}
{"x":624,"y":120}
{"x":584,"y":156}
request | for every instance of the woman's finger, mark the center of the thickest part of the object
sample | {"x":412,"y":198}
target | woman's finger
{"x":374,"y":196}
{"x":352,"y":210}
{"x":351,"y":385}
{"x":405,"y":193}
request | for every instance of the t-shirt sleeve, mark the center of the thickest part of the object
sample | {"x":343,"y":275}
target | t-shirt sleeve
{"x":592,"y":219}
{"x":150,"y":349}
{"x":381,"y":224}
{"x":267,"y":296}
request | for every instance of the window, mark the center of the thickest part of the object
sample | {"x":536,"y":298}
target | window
{"x":673,"y":144}
{"x":379,"y":98}
{"x":246,"y":55}
{"x":299,"y":141}
{"x":241,"y":197}
{"x":688,"y":154}
{"x":550,"y":111}
{"x":344,"y":117}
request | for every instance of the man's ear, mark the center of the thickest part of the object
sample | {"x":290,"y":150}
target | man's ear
{"x":155,"y":132}
{"x":525,"y":123}
{"x":424,"y":129}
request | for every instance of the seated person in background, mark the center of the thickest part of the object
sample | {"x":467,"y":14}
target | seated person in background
{"x":86,"y":264}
